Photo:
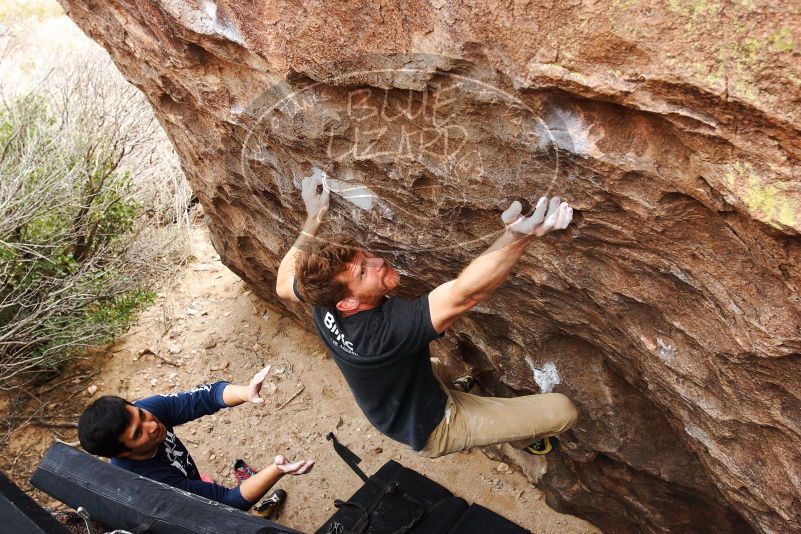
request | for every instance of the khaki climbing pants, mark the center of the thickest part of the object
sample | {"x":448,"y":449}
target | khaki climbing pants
{"x":472,"y":421}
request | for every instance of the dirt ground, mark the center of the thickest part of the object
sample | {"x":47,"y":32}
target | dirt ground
{"x":210,"y":327}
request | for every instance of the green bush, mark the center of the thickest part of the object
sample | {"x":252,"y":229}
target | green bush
{"x":67,"y":217}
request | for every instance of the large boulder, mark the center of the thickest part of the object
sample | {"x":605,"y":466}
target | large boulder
{"x":669,"y":310}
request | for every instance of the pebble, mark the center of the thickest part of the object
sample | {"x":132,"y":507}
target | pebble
{"x":154,"y":381}
{"x":503,"y":468}
{"x":174,"y":349}
{"x":91,"y":390}
{"x":220,"y":366}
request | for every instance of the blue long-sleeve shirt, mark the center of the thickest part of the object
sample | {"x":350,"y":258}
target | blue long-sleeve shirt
{"x":172,"y":464}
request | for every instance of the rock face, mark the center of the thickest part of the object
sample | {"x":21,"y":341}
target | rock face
{"x":669,"y":310}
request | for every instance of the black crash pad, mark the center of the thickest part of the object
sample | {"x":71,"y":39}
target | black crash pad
{"x":120,"y":499}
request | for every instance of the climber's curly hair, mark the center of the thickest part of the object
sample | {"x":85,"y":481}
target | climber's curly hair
{"x":318,"y":263}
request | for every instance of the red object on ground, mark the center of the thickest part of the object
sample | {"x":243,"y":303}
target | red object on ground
{"x":242,"y":471}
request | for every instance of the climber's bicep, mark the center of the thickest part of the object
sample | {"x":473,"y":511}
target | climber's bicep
{"x":446,"y":304}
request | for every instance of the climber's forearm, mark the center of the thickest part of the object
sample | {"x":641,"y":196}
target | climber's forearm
{"x":484,"y":274}
{"x":477,"y":282}
{"x":286,"y":270}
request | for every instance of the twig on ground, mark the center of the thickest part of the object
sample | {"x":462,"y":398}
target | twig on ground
{"x":290,"y":399}
{"x":160,"y":357}
{"x":55,"y":425}
{"x":31,"y":417}
{"x":80,"y":378}
{"x":13,"y":428}
{"x":46,"y":421}
{"x":13,"y":465}
{"x":31,"y":395}
{"x":166,"y":360}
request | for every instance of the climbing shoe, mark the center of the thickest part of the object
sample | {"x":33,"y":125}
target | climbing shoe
{"x":542,"y":446}
{"x":465,"y":383}
{"x":270,"y":507}
{"x":242,"y":471}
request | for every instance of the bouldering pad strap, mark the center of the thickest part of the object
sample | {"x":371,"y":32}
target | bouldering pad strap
{"x":348,"y":456}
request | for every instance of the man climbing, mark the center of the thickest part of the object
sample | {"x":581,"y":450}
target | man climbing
{"x":381,"y":344}
{"x":139,"y":437}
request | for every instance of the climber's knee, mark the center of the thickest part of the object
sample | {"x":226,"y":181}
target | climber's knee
{"x":565,"y":411}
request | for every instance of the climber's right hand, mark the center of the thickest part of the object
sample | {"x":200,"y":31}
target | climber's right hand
{"x":539,"y":223}
{"x":316,"y":202}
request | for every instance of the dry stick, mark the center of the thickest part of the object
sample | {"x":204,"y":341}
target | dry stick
{"x":160,"y":357}
{"x":31,"y":395}
{"x":13,"y":465}
{"x":55,"y":425}
{"x":81,"y":379}
{"x":13,"y":429}
{"x":30,"y":417}
{"x":290,"y":399}
{"x":166,"y":360}
{"x":48,"y":421}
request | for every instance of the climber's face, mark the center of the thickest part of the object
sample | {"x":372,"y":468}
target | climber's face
{"x":144,"y":434}
{"x":368,"y":278}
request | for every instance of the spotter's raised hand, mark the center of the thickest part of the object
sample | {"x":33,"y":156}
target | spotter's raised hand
{"x":254,"y":386}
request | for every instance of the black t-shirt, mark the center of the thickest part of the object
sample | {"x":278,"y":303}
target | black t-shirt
{"x":383,"y":353}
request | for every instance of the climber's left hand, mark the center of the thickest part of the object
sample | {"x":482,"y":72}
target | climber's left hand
{"x":316,"y":202}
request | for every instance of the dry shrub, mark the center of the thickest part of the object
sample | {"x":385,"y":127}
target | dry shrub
{"x":93,"y":214}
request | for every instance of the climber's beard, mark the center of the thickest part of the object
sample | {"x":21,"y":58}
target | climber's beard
{"x":389,"y":282}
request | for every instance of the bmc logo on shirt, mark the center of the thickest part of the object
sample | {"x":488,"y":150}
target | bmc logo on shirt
{"x":338,"y":337}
